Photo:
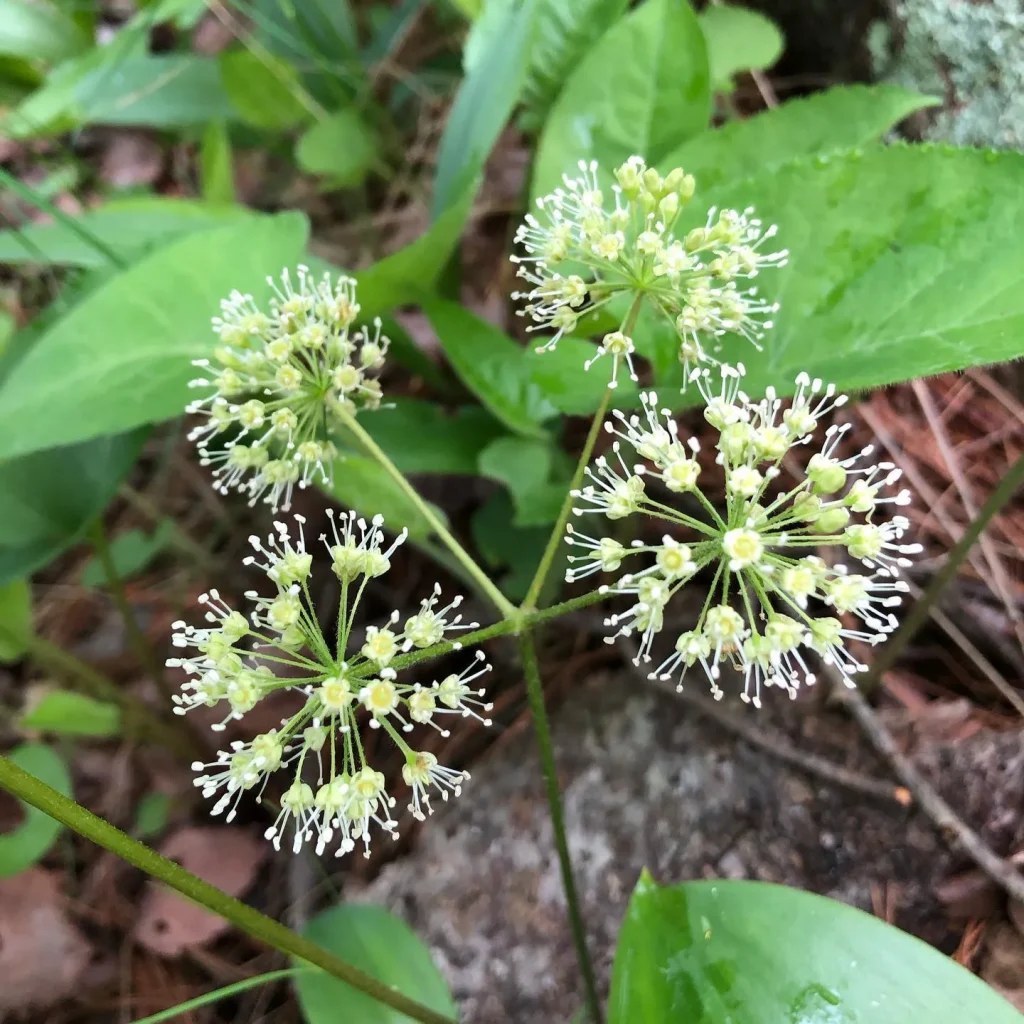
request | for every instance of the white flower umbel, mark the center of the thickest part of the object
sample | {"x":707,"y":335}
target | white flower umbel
{"x":278,"y":382}
{"x":580,"y":251}
{"x":235,"y":661}
{"x":771,"y":599}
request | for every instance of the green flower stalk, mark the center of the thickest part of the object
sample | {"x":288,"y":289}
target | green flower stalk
{"x":335,"y":792}
{"x":280,"y":381}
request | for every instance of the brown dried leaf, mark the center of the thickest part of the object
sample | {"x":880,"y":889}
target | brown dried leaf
{"x":42,"y":954}
{"x":228,"y":858}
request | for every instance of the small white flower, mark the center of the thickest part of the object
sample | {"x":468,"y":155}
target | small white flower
{"x":237,"y":661}
{"x":766,"y":582}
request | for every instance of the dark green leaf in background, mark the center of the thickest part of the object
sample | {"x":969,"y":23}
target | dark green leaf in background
{"x":15,"y":617}
{"x":341,"y":147}
{"x":738,"y":39}
{"x":492,"y":366}
{"x":131,"y":552}
{"x":264,"y":91}
{"x":38,"y":32}
{"x":216,"y":170}
{"x":727,"y":951}
{"x":642,"y":89}
{"x":512,"y":552}
{"x":29,"y":841}
{"x":370,"y":938}
{"x":49,"y":499}
{"x":483,"y":105}
{"x":122,"y":357}
{"x":66,"y":713}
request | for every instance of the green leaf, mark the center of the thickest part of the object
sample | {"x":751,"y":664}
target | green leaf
{"x":506,"y":546}
{"x":29,"y":842}
{"x":165,"y":91}
{"x":738,"y":40}
{"x":566,"y":31}
{"x":123,"y":225}
{"x":370,"y":938}
{"x":131,"y":552}
{"x":152,"y":815}
{"x":492,"y":366}
{"x":904,"y":262}
{"x":216,"y":171}
{"x":67,"y":713}
{"x":526,"y":465}
{"x":342,"y":147}
{"x":713,"y":952}
{"x":483,"y":105}
{"x":643,"y":89}
{"x":838,"y":118}
{"x":15,"y":616}
{"x":559,"y":376}
{"x":421,"y":437}
{"x":122,"y":357}
{"x":266,"y":92}
{"x":38,"y":31}
{"x":49,"y":499}
{"x":364,"y":486}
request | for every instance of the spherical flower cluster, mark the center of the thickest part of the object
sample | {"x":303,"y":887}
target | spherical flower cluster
{"x":579,"y":254}
{"x":281,"y":382}
{"x":335,"y":791}
{"x":770,"y":598}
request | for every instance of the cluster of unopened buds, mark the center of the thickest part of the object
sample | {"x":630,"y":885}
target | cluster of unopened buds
{"x":580,"y":253}
{"x":281,"y":382}
{"x":237,"y":661}
{"x":771,"y":599}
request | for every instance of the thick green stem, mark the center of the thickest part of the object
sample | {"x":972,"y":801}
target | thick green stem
{"x":535,"y":695}
{"x":28,"y":788}
{"x":479,"y":577}
{"x":115,"y":586}
{"x":548,"y":558}
{"x":140,"y":720}
{"x":922,"y":607}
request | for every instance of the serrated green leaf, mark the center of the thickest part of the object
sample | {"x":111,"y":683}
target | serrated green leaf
{"x":526,"y":466}
{"x":643,"y":88}
{"x":124,"y":225}
{"x":738,"y":39}
{"x":66,"y":713}
{"x":263,"y":90}
{"x":50,"y":498}
{"x":341,"y":147}
{"x":421,"y":437}
{"x":16,"y":617}
{"x":216,"y":169}
{"x":505,"y":546}
{"x":492,"y":366}
{"x":904,"y":262}
{"x":38,"y":32}
{"x":483,"y":105}
{"x":122,"y":357}
{"x":130,"y":552}
{"x":29,"y":842}
{"x":838,"y":118}
{"x":370,"y":938}
{"x":712,"y":952}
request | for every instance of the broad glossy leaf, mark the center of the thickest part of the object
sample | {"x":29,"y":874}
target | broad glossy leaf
{"x":38,"y":32}
{"x":725,"y":951}
{"x":341,"y":147}
{"x":66,"y":713}
{"x":49,"y":499}
{"x":838,"y":118}
{"x":123,"y":225}
{"x":28,"y":842}
{"x":738,"y":39}
{"x":483,"y":105}
{"x":643,"y":88}
{"x":122,"y":357}
{"x":492,"y":366}
{"x":905,"y":261}
{"x":264,"y":91}
{"x":15,"y":617}
{"x":370,"y":938}
{"x":421,"y":437}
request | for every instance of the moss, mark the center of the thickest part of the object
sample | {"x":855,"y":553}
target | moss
{"x":969,"y":51}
